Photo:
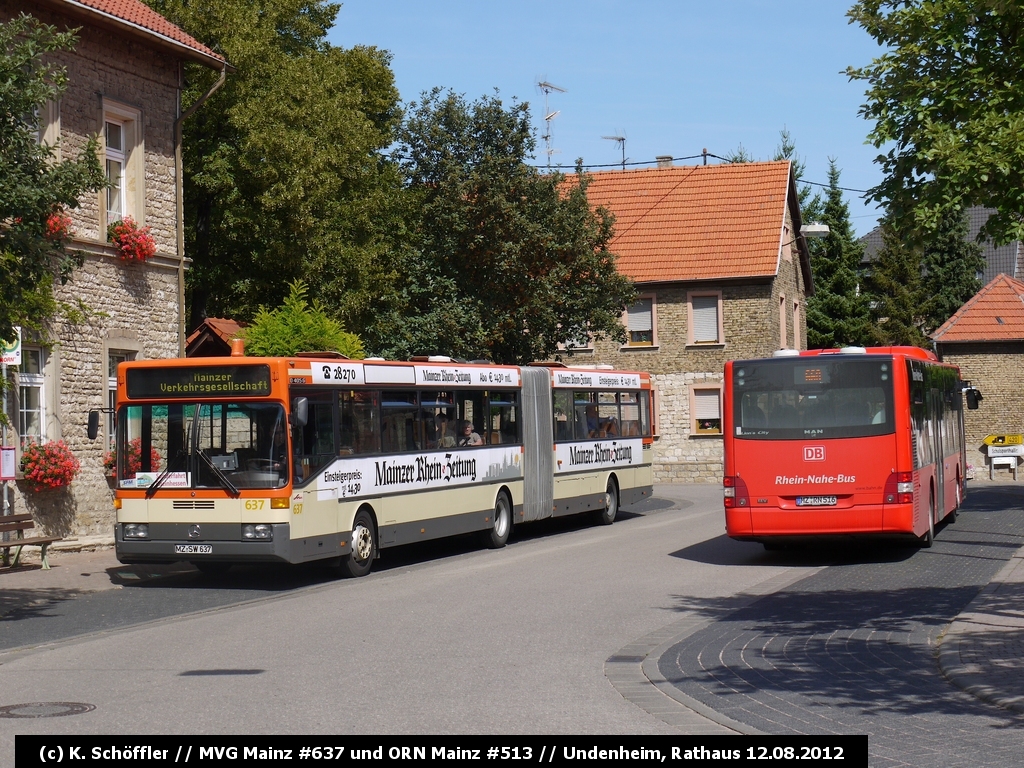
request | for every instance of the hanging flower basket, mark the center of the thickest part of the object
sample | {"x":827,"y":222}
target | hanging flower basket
{"x":58,"y":227}
{"x":133,"y":243}
{"x":133,"y":458}
{"x":50,"y":465}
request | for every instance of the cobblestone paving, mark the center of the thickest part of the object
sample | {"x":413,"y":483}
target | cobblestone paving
{"x":853,"y":648}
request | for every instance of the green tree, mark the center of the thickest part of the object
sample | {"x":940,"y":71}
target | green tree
{"x":895,"y":292}
{"x":837,"y":313}
{"x":947,"y":101}
{"x":283,"y":172}
{"x":34,"y":185}
{"x":503,"y":262}
{"x":298,"y":326}
{"x":951,"y":264}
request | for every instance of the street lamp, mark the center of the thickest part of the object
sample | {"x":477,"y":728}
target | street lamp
{"x":814,"y":231}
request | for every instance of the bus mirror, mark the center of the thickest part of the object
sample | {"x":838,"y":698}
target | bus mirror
{"x":973,"y":398}
{"x":300,"y":411}
{"x":94,"y":424}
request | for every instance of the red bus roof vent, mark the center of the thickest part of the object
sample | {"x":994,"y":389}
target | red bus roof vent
{"x":853,"y":351}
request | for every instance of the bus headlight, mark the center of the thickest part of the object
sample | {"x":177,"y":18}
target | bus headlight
{"x":136,"y":531}
{"x":260,"y":531}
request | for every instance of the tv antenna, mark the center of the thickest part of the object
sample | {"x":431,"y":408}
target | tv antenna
{"x":548,"y":88}
{"x":621,"y":141}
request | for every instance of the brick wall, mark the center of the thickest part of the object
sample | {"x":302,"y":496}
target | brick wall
{"x":996,"y":370}
{"x":129,"y":307}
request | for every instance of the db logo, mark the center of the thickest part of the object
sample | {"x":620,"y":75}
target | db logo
{"x":814,"y":453}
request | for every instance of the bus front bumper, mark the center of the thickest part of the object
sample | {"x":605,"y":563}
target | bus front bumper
{"x":171,"y":543}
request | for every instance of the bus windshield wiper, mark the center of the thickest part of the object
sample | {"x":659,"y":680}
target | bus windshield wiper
{"x":162,"y":477}
{"x":219,"y":473}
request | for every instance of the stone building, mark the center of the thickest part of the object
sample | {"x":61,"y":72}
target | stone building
{"x":125,"y":83}
{"x":985,"y":338}
{"x":722,"y":272}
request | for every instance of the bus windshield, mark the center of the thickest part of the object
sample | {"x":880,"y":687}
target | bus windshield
{"x":224,"y":445}
{"x":812,"y":397}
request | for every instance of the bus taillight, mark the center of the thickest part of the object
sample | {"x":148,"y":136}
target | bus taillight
{"x":736,"y":494}
{"x":899,"y":488}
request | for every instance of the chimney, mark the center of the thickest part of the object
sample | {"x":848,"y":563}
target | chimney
{"x":238,"y":347}
{"x":664,"y":161}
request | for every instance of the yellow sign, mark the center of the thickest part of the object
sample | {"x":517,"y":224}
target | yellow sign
{"x":1004,"y":440}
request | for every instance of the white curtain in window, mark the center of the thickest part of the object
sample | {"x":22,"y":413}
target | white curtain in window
{"x":640,"y":316}
{"x":705,"y":318}
{"x":706,"y":404}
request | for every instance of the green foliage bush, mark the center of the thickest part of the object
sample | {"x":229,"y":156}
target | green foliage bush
{"x":298,"y":326}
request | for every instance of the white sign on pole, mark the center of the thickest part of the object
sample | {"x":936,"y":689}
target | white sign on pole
{"x":7,"y":464}
{"x":12,"y":349}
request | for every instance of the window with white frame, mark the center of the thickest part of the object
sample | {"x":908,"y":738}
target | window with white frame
{"x":32,"y":396}
{"x":640,"y":323}
{"x":706,"y":410}
{"x":116,"y":156}
{"x":705,"y":316}
{"x":114,"y":357}
{"x":123,"y":158}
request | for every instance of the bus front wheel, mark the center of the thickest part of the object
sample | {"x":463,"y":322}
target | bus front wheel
{"x":364,"y":546}
{"x":496,"y":536}
{"x":607,"y":515}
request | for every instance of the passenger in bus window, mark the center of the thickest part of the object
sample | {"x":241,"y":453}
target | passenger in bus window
{"x":468,"y":435}
{"x":445,"y":439}
{"x":593,"y":425}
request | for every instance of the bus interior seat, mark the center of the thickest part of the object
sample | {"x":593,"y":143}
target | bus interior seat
{"x":785,"y":416}
{"x":754,"y":417}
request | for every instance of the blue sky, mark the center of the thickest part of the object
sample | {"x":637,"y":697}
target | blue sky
{"x":672,"y":77}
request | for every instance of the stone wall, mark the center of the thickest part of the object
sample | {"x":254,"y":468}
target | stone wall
{"x":995,"y":369}
{"x":128,"y":307}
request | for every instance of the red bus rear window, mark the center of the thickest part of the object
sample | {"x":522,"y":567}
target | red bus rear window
{"x":797,"y":399}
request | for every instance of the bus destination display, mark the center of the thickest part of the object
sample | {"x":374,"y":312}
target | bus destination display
{"x":205,"y":381}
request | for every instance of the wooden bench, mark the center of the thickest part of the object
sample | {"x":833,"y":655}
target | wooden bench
{"x":18,"y":525}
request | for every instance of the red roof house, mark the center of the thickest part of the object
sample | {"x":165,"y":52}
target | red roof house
{"x":985,"y":338}
{"x":722,"y":273}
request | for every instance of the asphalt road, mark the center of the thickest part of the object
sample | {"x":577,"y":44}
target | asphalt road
{"x":450,"y":639}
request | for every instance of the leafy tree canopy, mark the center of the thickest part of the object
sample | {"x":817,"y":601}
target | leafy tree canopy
{"x":282,"y":167}
{"x":298,"y":326}
{"x":947,"y":101}
{"x":502,"y":262}
{"x":33,"y":184}
{"x":837,"y":313}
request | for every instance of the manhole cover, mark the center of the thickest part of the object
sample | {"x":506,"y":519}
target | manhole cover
{"x":45,"y":709}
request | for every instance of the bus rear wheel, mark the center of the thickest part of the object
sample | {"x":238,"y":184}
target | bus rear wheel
{"x":496,"y":536}
{"x":364,"y":546}
{"x":929,"y":538}
{"x":607,"y":515}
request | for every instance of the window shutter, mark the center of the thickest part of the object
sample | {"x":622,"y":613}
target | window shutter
{"x":639,"y":316}
{"x":705,"y":318}
{"x":706,"y":404}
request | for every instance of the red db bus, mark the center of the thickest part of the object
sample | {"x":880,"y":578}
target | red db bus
{"x":843,"y":442}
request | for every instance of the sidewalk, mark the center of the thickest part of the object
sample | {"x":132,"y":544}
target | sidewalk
{"x":87,"y":564}
{"x":982,"y":650}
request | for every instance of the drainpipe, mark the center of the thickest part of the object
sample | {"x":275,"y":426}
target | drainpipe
{"x":179,"y":192}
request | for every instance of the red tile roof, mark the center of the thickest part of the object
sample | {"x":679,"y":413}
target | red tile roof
{"x":696,"y":223}
{"x":137,"y":14}
{"x":226,"y":330}
{"x":995,"y":313}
